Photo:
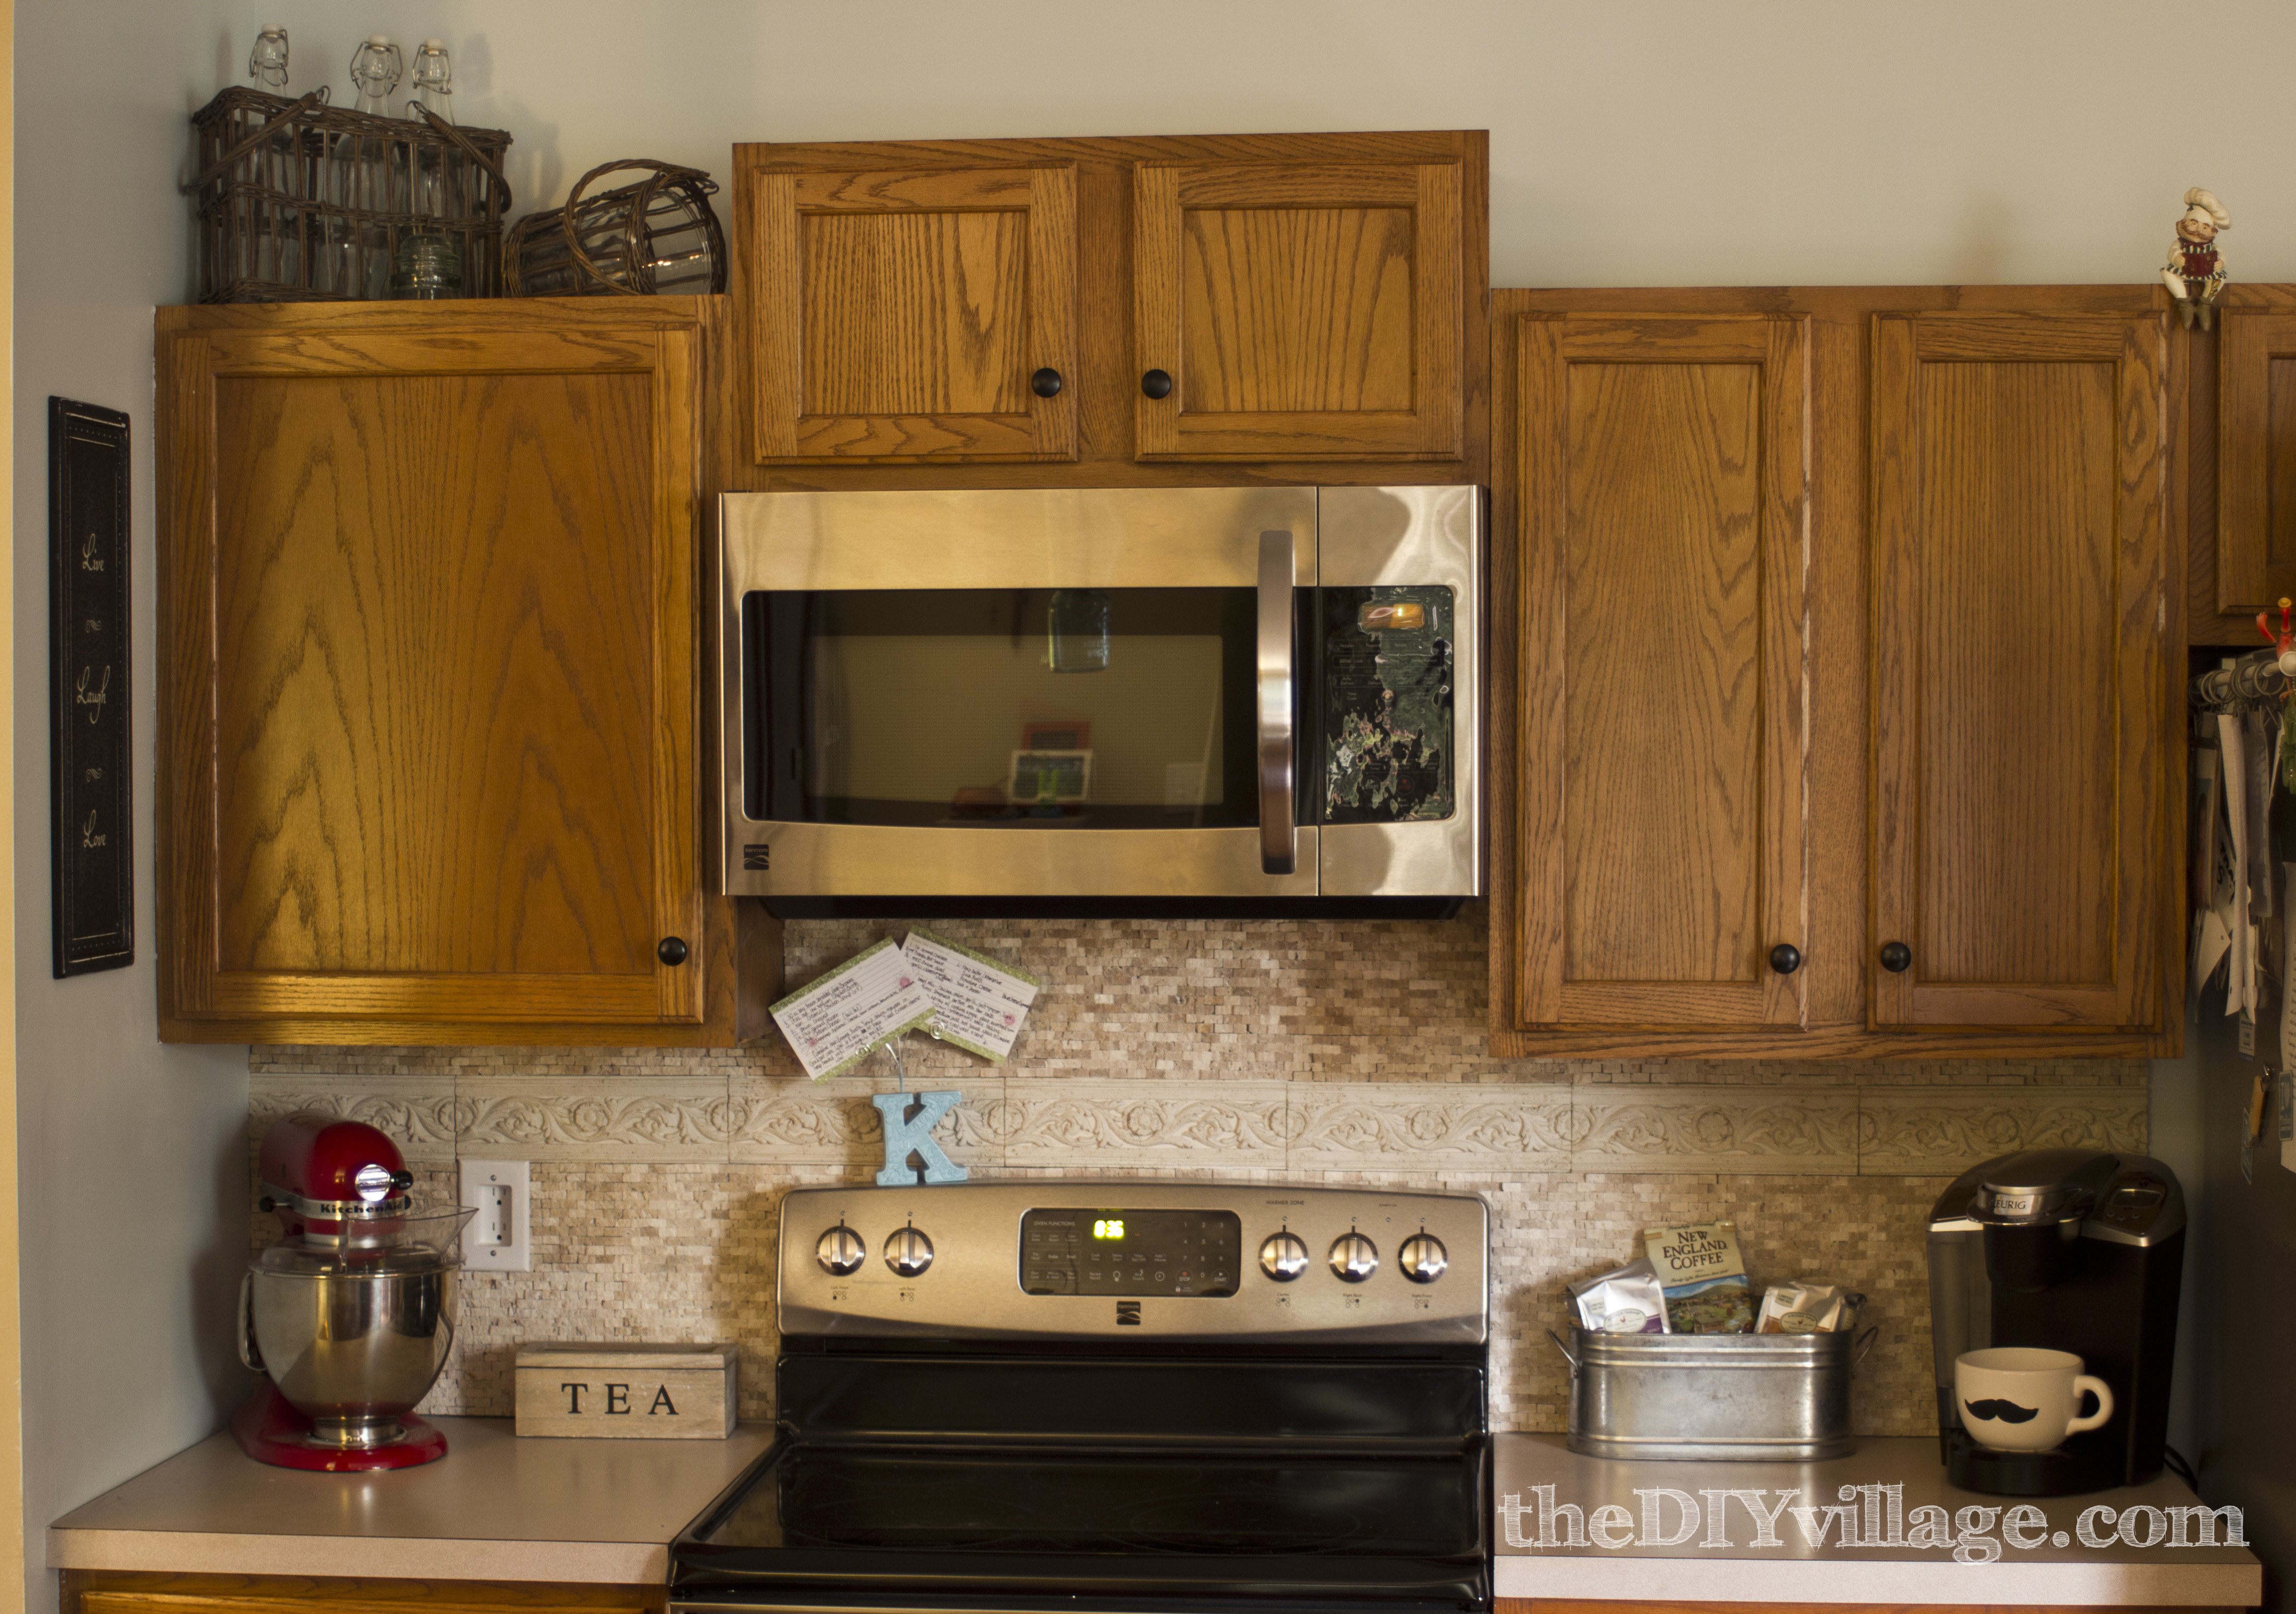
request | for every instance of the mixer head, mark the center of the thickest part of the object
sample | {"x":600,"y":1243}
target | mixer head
{"x":329,"y":1178}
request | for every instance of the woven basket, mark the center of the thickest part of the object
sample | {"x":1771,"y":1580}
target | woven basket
{"x":301,"y":201}
{"x":657,"y":235}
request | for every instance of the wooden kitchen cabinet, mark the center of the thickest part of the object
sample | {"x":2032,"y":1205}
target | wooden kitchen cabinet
{"x":430,"y":713}
{"x":911,"y":312}
{"x":1299,"y":309}
{"x":1115,"y":311}
{"x":1962,"y":737}
{"x":2020,"y":609}
{"x":1662,"y":842}
{"x":110,"y":1591}
{"x":2244,"y":494}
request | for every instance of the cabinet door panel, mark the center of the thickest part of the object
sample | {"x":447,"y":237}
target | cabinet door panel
{"x":2018,"y":486}
{"x":2256,"y":463}
{"x":1663,"y":839}
{"x":434,"y":666}
{"x":900,"y":314}
{"x":1303,"y":312}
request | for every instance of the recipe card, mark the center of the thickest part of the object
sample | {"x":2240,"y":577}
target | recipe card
{"x":977,"y":1003}
{"x":872,"y":996}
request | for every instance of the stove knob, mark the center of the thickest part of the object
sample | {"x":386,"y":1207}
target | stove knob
{"x":908,"y":1252}
{"x":1423,"y":1258}
{"x":840,"y":1251}
{"x":1354,"y":1257}
{"x":1282,"y":1257}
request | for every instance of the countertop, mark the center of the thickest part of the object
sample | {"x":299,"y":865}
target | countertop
{"x":494,"y":1508}
{"x":2057,"y":1569}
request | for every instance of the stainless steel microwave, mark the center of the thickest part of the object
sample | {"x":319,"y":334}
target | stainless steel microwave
{"x":1166,"y":700}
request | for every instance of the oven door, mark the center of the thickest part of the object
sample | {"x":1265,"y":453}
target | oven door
{"x":1035,"y":693}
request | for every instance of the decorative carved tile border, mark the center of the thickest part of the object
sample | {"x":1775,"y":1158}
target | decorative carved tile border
{"x":632,"y":1118}
{"x":1091,"y":1126}
{"x":1944,"y":1131}
{"x":1808,"y":1132}
{"x":418,"y":1111}
{"x":1374,"y":1126}
{"x":796,"y":1122}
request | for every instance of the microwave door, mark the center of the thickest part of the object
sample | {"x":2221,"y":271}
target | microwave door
{"x":1033,"y":693}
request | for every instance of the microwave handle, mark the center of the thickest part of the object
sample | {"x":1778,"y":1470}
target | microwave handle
{"x":1278,"y":844}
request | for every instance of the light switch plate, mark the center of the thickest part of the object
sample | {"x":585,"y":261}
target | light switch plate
{"x":499,"y":1238}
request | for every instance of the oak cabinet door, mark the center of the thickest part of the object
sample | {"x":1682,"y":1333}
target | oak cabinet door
{"x":429,"y":720}
{"x":2256,"y":461}
{"x":1298,"y":310}
{"x":1661,"y":841}
{"x":2021,"y":730}
{"x":908,"y":314}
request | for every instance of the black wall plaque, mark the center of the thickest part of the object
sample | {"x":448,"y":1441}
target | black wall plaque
{"x":89,"y":751}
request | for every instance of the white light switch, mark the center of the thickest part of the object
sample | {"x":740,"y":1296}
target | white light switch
{"x":497,"y":1239}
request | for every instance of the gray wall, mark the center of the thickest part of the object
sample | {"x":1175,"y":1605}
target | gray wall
{"x":1653,"y":143}
{"x":133,"y":1172}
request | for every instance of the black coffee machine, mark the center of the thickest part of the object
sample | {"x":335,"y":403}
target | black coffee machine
{"x":2072,"y":1250}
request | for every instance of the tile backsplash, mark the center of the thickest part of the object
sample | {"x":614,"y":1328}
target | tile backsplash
{"x":1317,"y":1052}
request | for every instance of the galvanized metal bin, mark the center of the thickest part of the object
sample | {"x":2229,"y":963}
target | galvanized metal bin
{"x":1712,"y":1398}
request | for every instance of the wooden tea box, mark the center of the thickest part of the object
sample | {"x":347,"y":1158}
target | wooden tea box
{"x":643,"y":1392}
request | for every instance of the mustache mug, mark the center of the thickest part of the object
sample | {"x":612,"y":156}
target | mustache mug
{"x":2017,"y":1398}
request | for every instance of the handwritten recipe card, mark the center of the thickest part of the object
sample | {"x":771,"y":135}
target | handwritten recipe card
{"x":872,"y":998}
{"x":977,"y":1003}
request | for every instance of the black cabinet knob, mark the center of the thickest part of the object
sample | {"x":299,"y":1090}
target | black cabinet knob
{"x":672,"y":951}
{"x":1045,"y":382}
{"x":1897,"y":958}
{"x":1786,"y":958}
{"x":1157,"y":384}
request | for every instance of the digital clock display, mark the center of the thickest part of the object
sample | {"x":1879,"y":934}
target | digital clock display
{"x":1128,"y":1251}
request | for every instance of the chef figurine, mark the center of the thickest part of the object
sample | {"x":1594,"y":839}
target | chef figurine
{"x":2194,"y":274}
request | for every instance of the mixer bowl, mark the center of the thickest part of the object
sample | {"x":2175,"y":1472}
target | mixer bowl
{"x":352,"y":1351}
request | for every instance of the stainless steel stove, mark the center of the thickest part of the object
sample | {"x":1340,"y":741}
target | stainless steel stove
{"x":1156,"y":1398}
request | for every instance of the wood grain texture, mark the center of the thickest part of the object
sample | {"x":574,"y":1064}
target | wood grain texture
{"x":443,"y":607}
{"x":1302,"y":312}
{"x":423,"y":730}
{"x":1106,"y":381}
{"x":107,"y":1592}
{"x":1659,"y":753}
{"x":897,"y":312}
{"x":2019,"y":536}
{"x":1838,"y":961}
{"x":1285,"y":309}
{"x":2220,"y":607}
{"x":2256,"y":467}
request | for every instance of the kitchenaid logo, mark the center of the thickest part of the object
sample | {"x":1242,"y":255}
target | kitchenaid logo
{"x":1869,"y":1516}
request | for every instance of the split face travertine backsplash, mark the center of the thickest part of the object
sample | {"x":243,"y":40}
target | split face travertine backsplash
{"x":1338,"y":1052}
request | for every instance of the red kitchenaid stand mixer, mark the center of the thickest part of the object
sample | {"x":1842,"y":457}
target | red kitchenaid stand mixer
{"x":350,"y":1315}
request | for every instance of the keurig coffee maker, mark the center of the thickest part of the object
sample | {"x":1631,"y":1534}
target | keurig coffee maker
{"x":2067,"y":1249}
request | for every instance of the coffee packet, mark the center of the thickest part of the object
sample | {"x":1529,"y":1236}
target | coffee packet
{"x":1704,"y":1276}
{"x":1807,"y":1309}
{"x":1627,"y":1301}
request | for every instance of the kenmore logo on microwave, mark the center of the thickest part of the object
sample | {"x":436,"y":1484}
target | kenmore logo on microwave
{"x":1127,"y":1314}
{"x":757,"y":854}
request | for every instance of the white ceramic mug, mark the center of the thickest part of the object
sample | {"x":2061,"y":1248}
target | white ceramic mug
{"x":2015,"y":1398}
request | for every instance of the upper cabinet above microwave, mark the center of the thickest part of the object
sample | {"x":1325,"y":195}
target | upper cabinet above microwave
{"x":1270,"y":301}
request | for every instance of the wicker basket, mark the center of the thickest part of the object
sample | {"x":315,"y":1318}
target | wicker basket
{"x":657,"y":235}
{"x":301,"y":201}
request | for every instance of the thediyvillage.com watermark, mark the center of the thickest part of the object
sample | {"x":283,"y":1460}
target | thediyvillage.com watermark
{"x":1868,"y":1516}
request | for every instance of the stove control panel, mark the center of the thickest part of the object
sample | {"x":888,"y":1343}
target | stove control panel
{"x":1120,"y":1250}
{"x":1040,"y":1259}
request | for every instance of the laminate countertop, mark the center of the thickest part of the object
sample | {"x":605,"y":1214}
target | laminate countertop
{"x":494,"y":1507}
{"x":1652,"y":1547}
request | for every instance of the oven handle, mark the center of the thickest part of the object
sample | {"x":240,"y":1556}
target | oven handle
{"x":1278,"y":840}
